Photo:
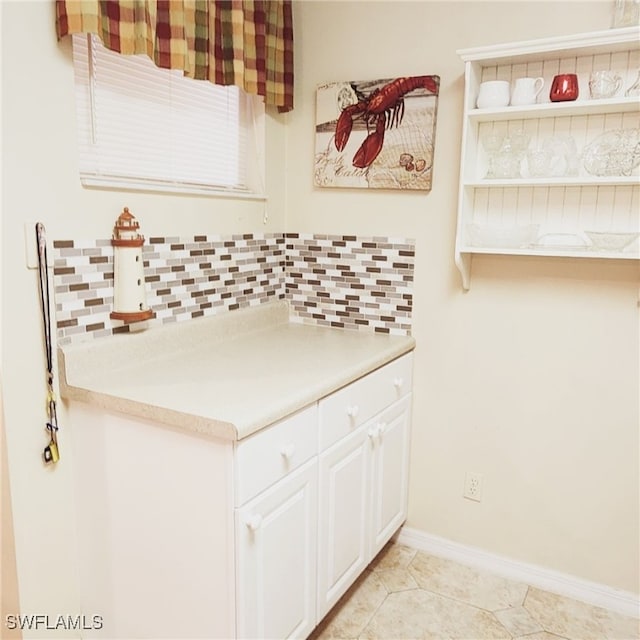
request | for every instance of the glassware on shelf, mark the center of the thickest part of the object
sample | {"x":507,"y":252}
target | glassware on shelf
{"x":634,"y":90}
{"x":509,"y":236}
{"x":492,"y":142}
{"x":626,"y":13}
{"x":573,"y":159}
{"x":614,"y":153}
{"x":505,"y":153}
{"x":519,"y":142}
{"x":604,"y":84}
{"x":539,"y":163}
{"x":561,"y":241}
{"x":564,"y":88}
{"x":507,"y":164}
{"x":611,"y":241}
{"x":564,"y":156}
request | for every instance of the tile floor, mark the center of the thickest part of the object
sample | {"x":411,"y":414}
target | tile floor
{"x":407,"y":594}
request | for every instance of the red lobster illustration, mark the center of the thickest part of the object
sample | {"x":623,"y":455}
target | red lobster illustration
{"x":384,"y":108}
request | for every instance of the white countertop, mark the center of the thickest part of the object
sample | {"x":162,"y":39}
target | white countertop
{"x":228,"y":375}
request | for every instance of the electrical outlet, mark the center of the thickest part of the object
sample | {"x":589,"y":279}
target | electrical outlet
{"x":473,"y":486}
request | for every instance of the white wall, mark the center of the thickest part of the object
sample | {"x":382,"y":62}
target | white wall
{"x":530,"y":378}
{"x":40,"y":183}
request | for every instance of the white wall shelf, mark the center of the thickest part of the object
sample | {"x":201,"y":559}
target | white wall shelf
{"x":552,"y":252}
{"x":558,"y":203}
{"x":570,"y":181}
{"x":581,"y":106}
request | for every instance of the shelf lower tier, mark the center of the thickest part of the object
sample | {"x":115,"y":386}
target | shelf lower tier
{"x":561,"y":252}
{"x":464,"y":254}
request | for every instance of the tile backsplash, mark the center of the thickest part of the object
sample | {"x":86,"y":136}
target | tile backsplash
{"x":342,"y":281}
{"x":351,"y":282}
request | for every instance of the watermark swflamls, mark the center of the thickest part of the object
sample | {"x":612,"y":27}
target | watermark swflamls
{"x":61,"y":622}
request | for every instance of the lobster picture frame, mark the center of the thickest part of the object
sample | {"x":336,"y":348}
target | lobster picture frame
{"x":377,"y":134}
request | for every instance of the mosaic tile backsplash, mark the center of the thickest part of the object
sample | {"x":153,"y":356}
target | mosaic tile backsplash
{"x":351,"y":282}
{"x":342,"y":281}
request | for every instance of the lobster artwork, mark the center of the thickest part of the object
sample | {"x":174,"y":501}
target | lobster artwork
{"x":383,"y":109}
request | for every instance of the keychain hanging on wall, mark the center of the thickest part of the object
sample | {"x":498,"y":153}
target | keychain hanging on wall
{"x":51,"y":452}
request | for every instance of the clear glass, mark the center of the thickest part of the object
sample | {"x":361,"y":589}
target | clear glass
{"x":539,"y":163}
{"x":626,"y":13}
{"x":634,"y":90}
{"x":492,"y":143}
{"x":614,"y":153}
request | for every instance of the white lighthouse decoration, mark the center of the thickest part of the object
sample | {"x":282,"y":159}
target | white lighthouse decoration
{"x":129,"y":296}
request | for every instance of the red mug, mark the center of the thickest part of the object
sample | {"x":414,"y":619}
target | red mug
{"x":564,"y":87}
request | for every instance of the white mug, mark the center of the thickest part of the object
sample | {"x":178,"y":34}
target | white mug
{"x":493,"y":93}
{"x":526,"y":91}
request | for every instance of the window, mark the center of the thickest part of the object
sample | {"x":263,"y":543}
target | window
{"x":148,"y":128}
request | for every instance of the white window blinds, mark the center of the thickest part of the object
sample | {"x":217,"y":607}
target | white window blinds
{"x":146,"y":127}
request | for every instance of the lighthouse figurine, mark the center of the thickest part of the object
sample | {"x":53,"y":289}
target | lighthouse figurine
{"x":129,"y":297}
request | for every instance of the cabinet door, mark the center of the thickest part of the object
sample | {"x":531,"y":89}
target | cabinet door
{"x":343,"y":521}
{"x":389,"y":472}
{"x":276,"y":535}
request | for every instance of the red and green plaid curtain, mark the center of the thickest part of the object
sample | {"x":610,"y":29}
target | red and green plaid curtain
{"x":247,"y":43}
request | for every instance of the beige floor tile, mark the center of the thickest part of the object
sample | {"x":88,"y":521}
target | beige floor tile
{"x":541,"y":635}
{"x":397,"y":580}
{"x":518,"y":621}
{"x":418,"y":614}
{"x":354,"y":610}
{"x":577,"y":620}
{"x":407,"y":594}
{"x":478,"y":588}
{"x":393,"y":556}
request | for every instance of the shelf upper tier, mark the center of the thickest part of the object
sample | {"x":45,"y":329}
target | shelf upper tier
{"x":562,"y":181}
{"x":556,"y":109}
{"x":609,"y":41}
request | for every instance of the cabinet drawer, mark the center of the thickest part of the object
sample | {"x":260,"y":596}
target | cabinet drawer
{"x":270,"y":454}
{"x":343,"y":411}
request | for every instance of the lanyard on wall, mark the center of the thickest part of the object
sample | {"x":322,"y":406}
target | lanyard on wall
{"x":51,"y":453}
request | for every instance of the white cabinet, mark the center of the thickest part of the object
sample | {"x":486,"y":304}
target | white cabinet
{"x":184,"y":535}
{"x":389,"y":436}
{"x":363,"y":486}
{"x":155,"y":527}
{"x":270,"y":454}
{"x":344,"y":516}
{"x":276,"y":551}
{"x":549,"y":215}
{"x":276,"y":519}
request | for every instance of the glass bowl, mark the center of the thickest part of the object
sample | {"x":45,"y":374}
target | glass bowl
{"x":611,"y":241}
{"x":512,"y":237}
{"x":614,"y":153}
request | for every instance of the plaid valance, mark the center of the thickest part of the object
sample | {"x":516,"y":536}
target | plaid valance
{"x":247,"y":43}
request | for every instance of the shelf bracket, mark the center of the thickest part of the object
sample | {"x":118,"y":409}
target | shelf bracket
{"x":463,"y":262}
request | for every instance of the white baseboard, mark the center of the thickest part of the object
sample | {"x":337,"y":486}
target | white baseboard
{"x":600,"y":595}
